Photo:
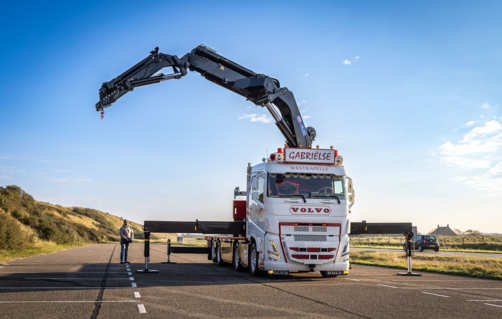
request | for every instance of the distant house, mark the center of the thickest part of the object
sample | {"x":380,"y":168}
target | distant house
{"x":444,"y":231}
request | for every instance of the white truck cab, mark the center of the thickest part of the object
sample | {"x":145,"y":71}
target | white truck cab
{"x":297,"y":214}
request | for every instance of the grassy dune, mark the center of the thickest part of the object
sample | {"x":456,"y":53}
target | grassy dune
{"x":29,"y":227}
{"x":455,"y":265}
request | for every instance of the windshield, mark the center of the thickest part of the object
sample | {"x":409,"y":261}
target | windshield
{"x":308,"y":185}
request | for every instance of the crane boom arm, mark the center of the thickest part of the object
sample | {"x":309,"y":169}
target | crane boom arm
{"x":260,"y":89}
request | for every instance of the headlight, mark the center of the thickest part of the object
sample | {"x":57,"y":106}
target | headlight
{"x":275,"y":252}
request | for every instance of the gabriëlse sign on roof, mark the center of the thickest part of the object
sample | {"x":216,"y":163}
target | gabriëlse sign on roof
{"x":307,"y":155}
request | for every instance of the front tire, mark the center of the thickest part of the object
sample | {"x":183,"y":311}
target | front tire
{"x":420,"y":248}
{"x":237,"y":259}
{"x":253,"y":262}
{"x":328,"y":274}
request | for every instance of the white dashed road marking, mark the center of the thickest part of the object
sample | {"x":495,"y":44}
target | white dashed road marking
{"x":129,"y":273}
{"x":131,"y":278}
{"x":429,"y":293}
{"x":352,"y":279}
{"x":485,"y":300}
{"x":141,"y":308}
{"x":387,"y":286}
{"x":134,"y":285}
{"x":136,"y":295}
{"x":489,"y":304}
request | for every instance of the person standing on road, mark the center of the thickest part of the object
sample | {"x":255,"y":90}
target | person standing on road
{"x":126,"y":237}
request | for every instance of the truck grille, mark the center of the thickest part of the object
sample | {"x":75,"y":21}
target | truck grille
{"x":319,"y":229}
{"x":310,"y":237}
{"x":302,"y":228}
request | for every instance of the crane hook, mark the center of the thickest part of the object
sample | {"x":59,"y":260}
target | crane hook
{"x":102,"y":114}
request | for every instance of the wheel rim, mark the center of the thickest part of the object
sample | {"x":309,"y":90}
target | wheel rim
{"x":253,"y":259}
{"x":236,"y":257}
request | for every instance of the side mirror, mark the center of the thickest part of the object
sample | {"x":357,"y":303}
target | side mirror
{"x":351,"y":193}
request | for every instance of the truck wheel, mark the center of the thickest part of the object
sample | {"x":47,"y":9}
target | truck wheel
{"x":420,"y":248}
{"x":253,"y":262}
{"x":219,"y":260}
{"x":237,"y":259}
{"x":213,"y":251}
{"x":328,"y":274}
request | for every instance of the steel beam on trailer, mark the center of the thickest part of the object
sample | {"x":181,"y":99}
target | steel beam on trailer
{"x":379,"y":228}
{"x":190,"y":250}
{"x":197,"y":227}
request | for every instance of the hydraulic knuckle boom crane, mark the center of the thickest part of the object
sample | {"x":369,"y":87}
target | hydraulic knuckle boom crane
{"x":260,"y":89}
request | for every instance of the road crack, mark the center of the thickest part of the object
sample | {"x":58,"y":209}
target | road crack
{"x":98,"y":303}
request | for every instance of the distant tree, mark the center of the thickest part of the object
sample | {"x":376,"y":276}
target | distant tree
{"x":458,"y":231}
{"x":471,"y":232}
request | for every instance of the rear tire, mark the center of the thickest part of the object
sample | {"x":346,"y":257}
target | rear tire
{"x":253,"y":262}
{"x":436,"y":249}
{"x":420,"y":248}
{"x":219,"y":260}
{"x":237,"y":259}
{"x":213,"y":251}
{"x":327,"y":274}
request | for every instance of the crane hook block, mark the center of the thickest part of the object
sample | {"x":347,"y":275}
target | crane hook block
{"x":102,"y":114}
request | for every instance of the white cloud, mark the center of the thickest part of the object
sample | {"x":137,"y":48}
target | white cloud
{"x":256,"y":118}
{"x":306,"y":117}
{"x":356,"y":57}
{"x":465,"y":155}
{"x":346,"y":62}
{"x":83,"y":179}
{"x":306,"y":74}
{"x":21,"y":170}
{"x":5,"y":177}
{"x":470,"y":123}
{"x":4,"y":157}
{"x":59,"y":179}
{"x":486,"y":106}
{"x":465,"y":162}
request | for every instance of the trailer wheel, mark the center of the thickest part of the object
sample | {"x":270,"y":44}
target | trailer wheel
{"x":327,"y":274}
{"x":219,"y":260}
{"x":213,"y":251}
{"x":237,"y":259}
{"x":253,"y":262}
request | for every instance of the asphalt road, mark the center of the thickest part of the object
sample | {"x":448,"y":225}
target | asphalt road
{"x":89,"y":282}
{"x":432,"y":252}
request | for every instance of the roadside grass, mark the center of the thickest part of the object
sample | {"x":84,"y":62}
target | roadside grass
{"x":440,"y":249}
{"x":40,"y":248}
{"x":455,"y":265}
{"x":482,"y":244}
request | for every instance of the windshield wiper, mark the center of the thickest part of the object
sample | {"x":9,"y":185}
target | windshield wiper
{"x":312,"y":195}
{"x":304,"y":200}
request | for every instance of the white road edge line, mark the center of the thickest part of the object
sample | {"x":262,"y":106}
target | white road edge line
{"x":430,"y":293}
{"x":49,"y":288}
{"x":387,"y":286}
{"x":485,"y":300}
{"x":141,"y":308}
{"x":489,"y":304}
{"x":134,"y":285}
{"x":351,"y":279}
{"x":136,"y":295}
{"x":66,"y":301}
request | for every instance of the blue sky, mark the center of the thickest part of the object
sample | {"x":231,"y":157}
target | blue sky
{"x":408,"y":92}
